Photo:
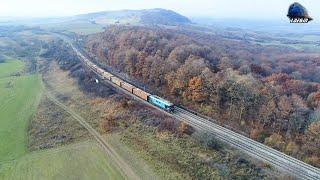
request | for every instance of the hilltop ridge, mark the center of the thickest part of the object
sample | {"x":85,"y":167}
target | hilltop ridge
{"x":145,"y":16}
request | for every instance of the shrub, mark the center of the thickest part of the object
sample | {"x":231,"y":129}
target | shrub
{"x":208,"y":140}
{"x":107,"y":124}
{"x":275,"y":141}
{"x":167,"y":125}
{"x":313,"y":160}
{"x":292,"y":148}
{"x":184,"y":128}
{"x":258,"y":134}
{"x":2,"y":59}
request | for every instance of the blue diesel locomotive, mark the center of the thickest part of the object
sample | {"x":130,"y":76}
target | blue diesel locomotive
{"x":162,"y":103}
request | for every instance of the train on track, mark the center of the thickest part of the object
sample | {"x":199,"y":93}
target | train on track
{"x":153,"y":99}
{"x":280,"y":160}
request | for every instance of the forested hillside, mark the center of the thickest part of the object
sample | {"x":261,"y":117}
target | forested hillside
{"x":271,"y":93}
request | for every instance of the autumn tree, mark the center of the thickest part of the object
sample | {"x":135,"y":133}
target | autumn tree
{"x":314,"y":131}
{"x":275,"y":141}
{"x":257,"y":69}
{"x":175,"y":85}
{"x":179,"y":53}
{"x":314,"y":100}
{"x":267,"y":112}
{"x":226,"y":63}
{"x":178,"y":81}
{"x":292,"y":148}
{"x":258,"y":133}
{"x":130,"y":61}
{"x":194,"y":91}
{"x":279,"y":78}
{"x":239,"y":94}
{"x":274,"y":90}
{"x":285,"y":107}
{"x":312,"y":144}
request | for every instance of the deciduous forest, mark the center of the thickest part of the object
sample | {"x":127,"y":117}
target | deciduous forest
{"x":270,"y":93}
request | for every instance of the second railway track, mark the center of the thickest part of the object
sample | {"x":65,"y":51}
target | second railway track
{"x":284,"y":162}
{"x":276,"y":158}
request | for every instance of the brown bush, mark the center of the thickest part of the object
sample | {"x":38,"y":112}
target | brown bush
{"x":108,"y":124}
{"x":275,"y":141}
{"x":167,"y":125}
{"x":185,"y":128}
{"x":124,"y":103}
{"x":254,"y":133}
{"x":313,"y":160}
{"x":97,"y":101}
{"x":292,"y":148}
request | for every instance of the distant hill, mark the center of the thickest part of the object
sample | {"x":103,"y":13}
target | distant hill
{"x":146,"y":16}
{"x":95,"y":22}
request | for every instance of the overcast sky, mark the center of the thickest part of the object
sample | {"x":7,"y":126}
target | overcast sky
{"x":255,"y":9}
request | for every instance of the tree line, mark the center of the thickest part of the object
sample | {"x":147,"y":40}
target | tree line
{"x":270,"y":93}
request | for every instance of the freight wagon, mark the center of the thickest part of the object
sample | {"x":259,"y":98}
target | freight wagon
{"x":141,"y":94}
{"x":100,"y":71}
{"x":152,"y":99}
{"x":116,"y":81}
{"x":127,"y":87}
{"x":107,"y":75}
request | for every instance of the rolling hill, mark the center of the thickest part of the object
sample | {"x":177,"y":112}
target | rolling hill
{"x":145,"y":16}
{"x":96,"y":21}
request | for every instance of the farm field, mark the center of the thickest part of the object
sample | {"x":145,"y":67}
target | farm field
{"x":19,"y":98}
{"x":10,"y":67}
{"x":83,"y":28}
{"x":84,"y":160}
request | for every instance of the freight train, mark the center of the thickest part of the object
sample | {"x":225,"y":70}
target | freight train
{"x":153,"y":99}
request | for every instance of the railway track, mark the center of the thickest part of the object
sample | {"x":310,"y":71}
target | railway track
{"x":292,"y":166}
{"x":278,"y":159}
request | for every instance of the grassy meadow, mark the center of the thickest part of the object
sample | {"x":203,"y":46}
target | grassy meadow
{"x":19,"y":97}
{"x":9,"y":68}
{"x":84,"y":160}
{"x":82,"y":28}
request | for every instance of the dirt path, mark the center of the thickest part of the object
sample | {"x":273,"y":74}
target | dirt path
{"x":122,"y":165}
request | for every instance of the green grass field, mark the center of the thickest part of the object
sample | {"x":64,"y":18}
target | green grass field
{"x":19,"y":97}
{"x":10,"y":67}
{"x":83,"y":160}
{"x":83,"y":28}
